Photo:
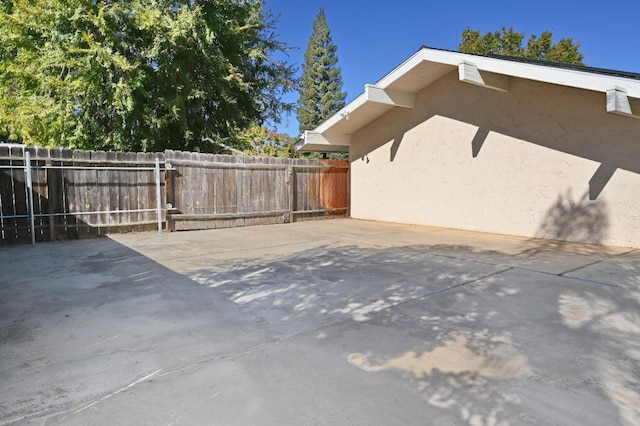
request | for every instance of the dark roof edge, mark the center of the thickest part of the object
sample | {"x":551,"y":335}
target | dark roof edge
{"x":583,"y":68}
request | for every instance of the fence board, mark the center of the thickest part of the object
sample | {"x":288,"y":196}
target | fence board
{"x":99,"y":196}
{"x":55,"y":194}
{"x":6,"y":197}
{"x":218,"y":185}
{"x":114,"y":188}
{"x":87,"y":190}
{"x":151,"y":188}
{"x":20,"y":198}
{"x":143,"y":192}
{"x":131,"y":199}
{"x":77,"y":178}
{"x":40,"y":157}
{"x":68,"y":178}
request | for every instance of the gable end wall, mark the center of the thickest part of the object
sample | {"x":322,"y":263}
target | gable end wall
{"x":538,"y":161}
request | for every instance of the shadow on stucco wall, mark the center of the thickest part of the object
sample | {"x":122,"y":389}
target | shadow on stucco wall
{"x":532,"y":143}
{"x":573,"y":123}
{"x":395,"y":146}
{"x":600,"y":179}
{"x":575,"y":219}
{"x":478,"y":141}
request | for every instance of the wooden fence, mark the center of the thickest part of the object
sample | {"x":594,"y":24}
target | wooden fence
{"x":81,"y":194}
{"x":213,"y":191}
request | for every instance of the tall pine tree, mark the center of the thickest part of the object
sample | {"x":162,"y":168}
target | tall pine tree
{"x":321,"y":92}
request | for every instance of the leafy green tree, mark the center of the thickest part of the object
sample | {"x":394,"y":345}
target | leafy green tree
{"x":137,"y":75}
{"x":263,"y":142}
{"x":509,"y":42}
{"x":321,"y":92}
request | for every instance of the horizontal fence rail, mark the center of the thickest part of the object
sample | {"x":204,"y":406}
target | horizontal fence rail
{"x":54,"y":194}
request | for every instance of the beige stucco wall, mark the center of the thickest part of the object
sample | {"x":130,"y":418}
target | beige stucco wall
{"x":539,"y":161}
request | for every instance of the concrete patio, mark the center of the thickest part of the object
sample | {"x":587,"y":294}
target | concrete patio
{"x":339,"y":322}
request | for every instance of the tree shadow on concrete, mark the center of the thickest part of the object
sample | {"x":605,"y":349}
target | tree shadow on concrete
{"x":332,"y":284}
{"x":310,"y":291}
{"x":460,"y":372}
{"x":460,"y":333}
{"x":497,"y":352}
{"x":613,"y":322}
{"x":463,"y":334}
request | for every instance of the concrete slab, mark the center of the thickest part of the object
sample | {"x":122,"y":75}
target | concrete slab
{"x":622,"y":270}
{"x":321,"y":286}
{"x":332,"y":322}
{"x":82,"y":318}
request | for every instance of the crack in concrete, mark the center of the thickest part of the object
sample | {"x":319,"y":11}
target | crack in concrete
{"x":561,"y":274}
{"x":580,"y":267}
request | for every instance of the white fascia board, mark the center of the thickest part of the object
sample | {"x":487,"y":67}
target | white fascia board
{"x":343,"y":114}
{"x":389,"y":97}
{"x":469,"y":73}
{"x":545,"y":74}
{"x":415,"y":60}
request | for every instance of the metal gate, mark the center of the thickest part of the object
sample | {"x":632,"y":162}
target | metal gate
{"x":49,"y":194}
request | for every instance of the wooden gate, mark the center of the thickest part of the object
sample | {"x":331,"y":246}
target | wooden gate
{"x":219,"y":191}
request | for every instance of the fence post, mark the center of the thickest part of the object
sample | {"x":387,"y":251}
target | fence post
{"x":27,"y":172}
{"x":158,"y":197}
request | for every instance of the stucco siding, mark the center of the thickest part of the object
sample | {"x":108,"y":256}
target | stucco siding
{"x":539,"y":161}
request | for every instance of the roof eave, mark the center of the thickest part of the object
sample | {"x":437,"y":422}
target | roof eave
{"x":317,"y":142}
{"x":490,"y":72}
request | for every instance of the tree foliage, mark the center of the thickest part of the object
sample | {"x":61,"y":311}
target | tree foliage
{"x":321,"y":92}
{"x":509,"y":42}
{"x":137,"y":74}
{"x":262,"y":142}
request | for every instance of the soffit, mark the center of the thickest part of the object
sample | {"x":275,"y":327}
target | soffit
{"x":360,"y":112}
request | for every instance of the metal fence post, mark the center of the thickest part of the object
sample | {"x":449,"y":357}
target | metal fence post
{"x":158,"y":197}
{"x":27,"y":172}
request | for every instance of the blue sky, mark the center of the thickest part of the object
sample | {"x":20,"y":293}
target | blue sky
{"x":373,"y":37}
